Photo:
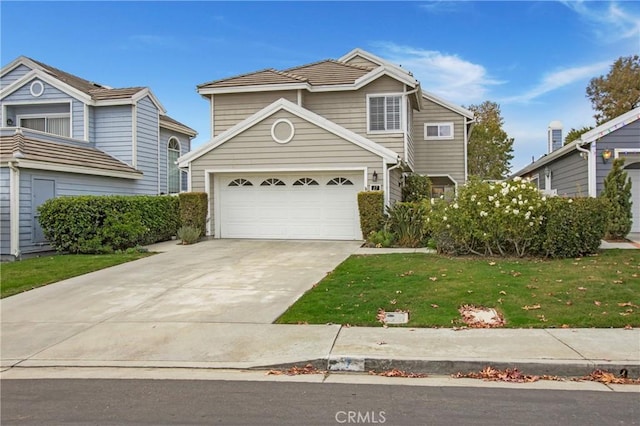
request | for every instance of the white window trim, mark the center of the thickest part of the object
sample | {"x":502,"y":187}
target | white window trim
{"x":446,"y":123}
{"x":402,"y":113}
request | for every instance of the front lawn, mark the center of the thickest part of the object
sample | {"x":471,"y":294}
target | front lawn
{"x":595,"y":291}
{"x":16,"y":277}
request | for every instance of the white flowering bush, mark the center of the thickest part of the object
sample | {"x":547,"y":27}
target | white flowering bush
{"x":489,"y":219}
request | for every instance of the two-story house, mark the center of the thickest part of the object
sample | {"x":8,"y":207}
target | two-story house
{"x":64,"y":135}
{"x":290,"y":149}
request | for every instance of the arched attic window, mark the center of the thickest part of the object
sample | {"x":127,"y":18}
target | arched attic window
{"x":173,"y":173}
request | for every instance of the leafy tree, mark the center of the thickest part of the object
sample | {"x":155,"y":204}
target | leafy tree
{"x":416,"y":188}
{"x":617,"y":191}
{"x":617,"y":92}
{"x":490,"y":148}
{"x":574,"y":134}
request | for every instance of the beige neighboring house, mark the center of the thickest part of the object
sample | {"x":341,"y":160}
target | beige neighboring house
{"x":290,"y":149}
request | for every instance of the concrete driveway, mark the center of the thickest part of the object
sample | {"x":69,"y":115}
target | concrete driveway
{"x":204,"y":304}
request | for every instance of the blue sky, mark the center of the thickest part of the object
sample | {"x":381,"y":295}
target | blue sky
{"x":535,"y":59}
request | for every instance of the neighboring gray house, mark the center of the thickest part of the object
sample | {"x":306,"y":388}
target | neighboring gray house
{"x":291,"y":149}
{"x":579,"y":168}
{"x":63,"y":135}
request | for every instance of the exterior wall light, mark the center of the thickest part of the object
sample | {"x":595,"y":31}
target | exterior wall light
{"x":606,"y":155}
{"x":9,"y":122}
{"x":375,"y":176}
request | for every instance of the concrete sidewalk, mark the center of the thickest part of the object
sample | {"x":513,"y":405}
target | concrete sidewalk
{"x":173,"y":310}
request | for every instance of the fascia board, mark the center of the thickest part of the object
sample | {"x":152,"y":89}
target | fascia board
{"x":147,"y":92}
{"x":42,"y":165}
{"x":596,"y":133}
{"x":179,"y":129}
{"x":547,"y":159}
{"x":460,"y":110}
{"x":253,"y":88}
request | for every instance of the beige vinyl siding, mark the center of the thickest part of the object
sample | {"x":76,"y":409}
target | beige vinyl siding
{"x":437,"y":157}
{"x":349,"y":110}
{"x":232,"y":108}
{"x":395,"y":184}
{"x":311,"y":148}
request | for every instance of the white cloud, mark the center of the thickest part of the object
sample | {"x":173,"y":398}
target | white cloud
{"x":611,"y":21}
{"x":446,"y":75}
{"x":559,"y":79}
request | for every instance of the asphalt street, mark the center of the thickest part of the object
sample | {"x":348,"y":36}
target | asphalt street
{"x":206,"y":402}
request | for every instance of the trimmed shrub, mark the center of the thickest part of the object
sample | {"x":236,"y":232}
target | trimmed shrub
{"x":416,"y":188}
{"x":371,"y":207}
{"x":406,"y":222}
{"x":572,"y":227}
{"x":189,"y":234}
{"x":617,"y":190}
{"x":193,"y":210}
{"x":99,"y":224}
{"x":382,"y":238}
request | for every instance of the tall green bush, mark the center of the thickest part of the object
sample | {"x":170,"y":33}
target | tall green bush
{"x":371,"y":208}
{"x":96,"y":224}
{"x":193,"y":210}
{"x":572,"y":227}
{"x":416,"y":188}
{"x":617,"y":190}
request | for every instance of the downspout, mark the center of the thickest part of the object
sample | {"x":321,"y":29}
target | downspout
{"x":14,"y":209}
{"x":591,"y":167}
{"x":387,"y":186}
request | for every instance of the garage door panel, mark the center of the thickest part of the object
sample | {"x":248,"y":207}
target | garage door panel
{"x":290,"y":211}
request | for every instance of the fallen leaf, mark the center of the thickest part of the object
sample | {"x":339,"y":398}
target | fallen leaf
{"x":492,"y":263}
{"x":582,"y":289}
{"x":531,"y":307}
{"x":397,"y":373}
{"x":627,"y":304}
{"x":597,"y":302}
{"x":564,"y":326}
{"x":503,"y":292}
{"x":393,"y":302}
{"x":433,"y":305}
{"x":382,"y":343}
{"x":433,"y":278}
{"x":295,"y":371}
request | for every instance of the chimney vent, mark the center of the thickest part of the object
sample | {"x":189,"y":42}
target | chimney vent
{"x":554,"y":136}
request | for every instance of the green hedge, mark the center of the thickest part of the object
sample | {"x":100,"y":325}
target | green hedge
{"x":572,"y":226}
{"x":193,"y":210}
{"x":371,"y":207}
{"x":102,"y":224}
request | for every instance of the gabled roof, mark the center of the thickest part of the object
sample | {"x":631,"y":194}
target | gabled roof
{"x":96,"y":93}
{"x":610,"y":126}
{"x":326,"y":75}
{"x":30,"y":152}
{"x":313,"y":118}
{"x":372,"y":58}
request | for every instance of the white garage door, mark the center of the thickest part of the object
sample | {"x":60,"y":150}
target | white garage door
{"x":634,"y":174}
{"x":290,"y":206}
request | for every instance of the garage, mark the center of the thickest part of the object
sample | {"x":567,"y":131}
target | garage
{"x":294,"y":205}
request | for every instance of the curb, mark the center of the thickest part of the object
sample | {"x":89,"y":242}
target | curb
{"x":451,"y":367}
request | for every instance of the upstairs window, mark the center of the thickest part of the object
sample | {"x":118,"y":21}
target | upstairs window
{"x":173,"y":173}
{"x":438,"y":131}
{"x":384,"y":113}
{"x":55,"y":124}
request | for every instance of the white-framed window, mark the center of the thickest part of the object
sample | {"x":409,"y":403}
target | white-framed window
{"x":173,"y":173}
{"x":384,"y":113}
{"x":57,"y":124}
{"x":438,"y":131}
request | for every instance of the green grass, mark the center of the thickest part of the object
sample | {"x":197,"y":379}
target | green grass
{"x":584,"y":292}
{"x":16,"y":277}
